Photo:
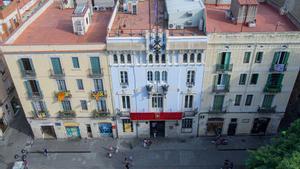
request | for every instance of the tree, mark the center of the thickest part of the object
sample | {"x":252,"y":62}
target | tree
{"x":282,"y":153}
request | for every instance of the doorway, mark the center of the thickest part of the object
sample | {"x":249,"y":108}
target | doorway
{"x":105,"y":129}
{"x":48,"y":132}
{"x":157,"y":127}
{"x":260,"y":126}
{"x":89,"y":131}
{"x":73,"y":132}
{"x":232,"y":127}
{"x":214,"y":126}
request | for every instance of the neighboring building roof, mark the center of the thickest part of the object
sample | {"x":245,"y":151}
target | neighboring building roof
{"x":54,"y":26}
{"x":248,"y":2}
{"x":268,"y":19}
{"x":183,"y":5}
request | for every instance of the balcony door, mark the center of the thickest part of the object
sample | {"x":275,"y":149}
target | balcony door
{"x":56,"y":65}
{"x":157,"y":102}
{"x":95,"y":63}
{"x":224,"y":58}
{"x":218,"y":102}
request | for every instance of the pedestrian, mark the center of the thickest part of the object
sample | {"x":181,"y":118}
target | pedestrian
{"x":117,"y":149}
{"x":46,"y":152}
{"x":226,"y":164}
{"x":145,"y":143}
{"x":127,"y":165}
{"x":109,"y":155}
{"x":131,"y":159}
{"x":231,"y":165}
{"x":25,"y":164}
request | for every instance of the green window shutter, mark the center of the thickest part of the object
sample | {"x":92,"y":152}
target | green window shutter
{"x":95,"y":63}
{"x":31,"y":64}
{"x":219,"y":58}
{"x":280,"y":79}
{"x":269,"y":79}
{"x":227,"y":79}
{"x":286,"y":58}
{"x":21,"y":65}
{"x":56,"y":65}
{"x":227,"y":58}
{"x":218,"y":102}
{"x":28,"y":88}
{"x":276,"y":57}
{"x":215,"y":80}
{"x":38,"y":86}
{"x":268,"y":100}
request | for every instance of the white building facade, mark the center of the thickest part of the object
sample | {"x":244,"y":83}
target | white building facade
{"x":156,"y":87}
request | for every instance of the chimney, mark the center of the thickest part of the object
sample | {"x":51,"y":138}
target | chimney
{"x":244,"y":11}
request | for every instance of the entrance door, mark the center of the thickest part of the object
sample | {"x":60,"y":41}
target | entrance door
{"x":214,"y":126}
{"x":232,"y":127}
{"x":89,"y":131}
{"x":73,"y":132}
{"x":157,"y":127}
{"x":218,"y":102}
{"x":48,"y":132}
{"x":105,"y":129}
{"x":260,"y":125}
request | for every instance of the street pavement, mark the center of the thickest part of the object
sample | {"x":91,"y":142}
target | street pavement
{"x":177,"y":153}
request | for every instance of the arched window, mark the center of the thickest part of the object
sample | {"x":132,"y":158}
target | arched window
{"x":150,"y":76}
{"x":163,"y":58}
{"x":157,"y":58}
{"x":122,"y":58}
{"x":199,"y":58}
{"x":164,"y":76}
{"x":185,"y":58}
{"x":128,"y":58}
{"x":115,"y":58}
{"x":192,"y":58}
{"x":150,"y":58}
{"x":157,"y":76}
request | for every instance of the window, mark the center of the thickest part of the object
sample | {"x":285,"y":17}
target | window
{"x":157,"y":76}
{"x":259,"y":57}
{"x":79,"y":84}
{"x":125,"y":102}
{"x":115,"y":58}
{"x":101,"y":105}
{"x":95,"y":63}
{"x":218,"y":103}
{"x":254,"y":79}
{"x":61,"y":84}
{"x":56,"y":66}
{"x":164,"y":76}
{"x":188,"y":101}
{"x":38,"y":106}
{"x":150,"y":58}
{"x":199,"y":58}
{"x":83,"y":104}
{"x":248,"y":100}
{"x":124,"y":77}
{"x":157,"y":101}
{"x":157,"y":58}
{"x":128,"y":58}
{"x":163,"y":58}
{"x":122,"y":58}
{"x":187,"y":123}
{"x":185,"y":58}
{"x":190,"y":77}
{"x":243,"y":78}
{"x":281,"y":57}
{"x":237,"y":100}
{"x":98,"y":84}
{"x":127,"y":126}
{"x":75,"y":62}
{"x":192,"y":58}
{"x":275,"y":79}
{"x":66,"y":104}
{"x":247,"y":57}
{"x":150,"y":76}
{"x":26,"y":64}
{"x":268,"y":100}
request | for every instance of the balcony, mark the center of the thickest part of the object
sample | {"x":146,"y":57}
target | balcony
{"x":216,"y":110}
{"x":224,"y":67}
{"x":35,"y":95}
{"x":190,"y":84}
{"x":66,"y":114}
{"x":123,"y":113}
{"x":101,"y":113}
{"x":40,"y":114}
{"x":28,"y":73}
{"x":271,"y":88}
{"x":266,"y":109}
{"x":61,"y":95}
{"x":98,"y":94}
{"x":221,"y":88}
{"x":95,"y":73}
{"x":124,"y":85}
{"x":191,"y":113}
{"x":57,"y":74}
{"x":278,"y":67}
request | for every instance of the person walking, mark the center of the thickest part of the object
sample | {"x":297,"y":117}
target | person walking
{"x":25,"y":164}
{"x":46,"y":152}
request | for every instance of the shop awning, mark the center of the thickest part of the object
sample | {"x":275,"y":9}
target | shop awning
{"x":71,"y":124}
{"x":155,"y":116}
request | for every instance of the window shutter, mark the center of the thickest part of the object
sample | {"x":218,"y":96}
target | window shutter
{"x":215,"y":80}
{"x":286,"y":58}
{"x":269,"y":79}
{"x":38,"y":86}
{"x":276,"y":57}
{"x":280,"y":79}
{"x":21,"y":65}
{"x":227,"y":58}
{"x":95,"y":63}
{"x":28,"y":88}
{"x":56,"y":65}
{"x":227,"y":79}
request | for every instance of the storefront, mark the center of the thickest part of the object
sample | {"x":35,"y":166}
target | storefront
{"x":105,"y":129}
{"x":72,"y":130}
{"x":214,"y":126}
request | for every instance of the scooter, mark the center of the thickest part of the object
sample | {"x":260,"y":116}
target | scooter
{"x":220,"y":141}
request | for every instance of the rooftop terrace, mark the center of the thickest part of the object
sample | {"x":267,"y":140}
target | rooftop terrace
{"x":268,"y":19}
{"x":54,"y":26}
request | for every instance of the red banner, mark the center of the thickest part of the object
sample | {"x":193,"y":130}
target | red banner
{"x":156,"y":116}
